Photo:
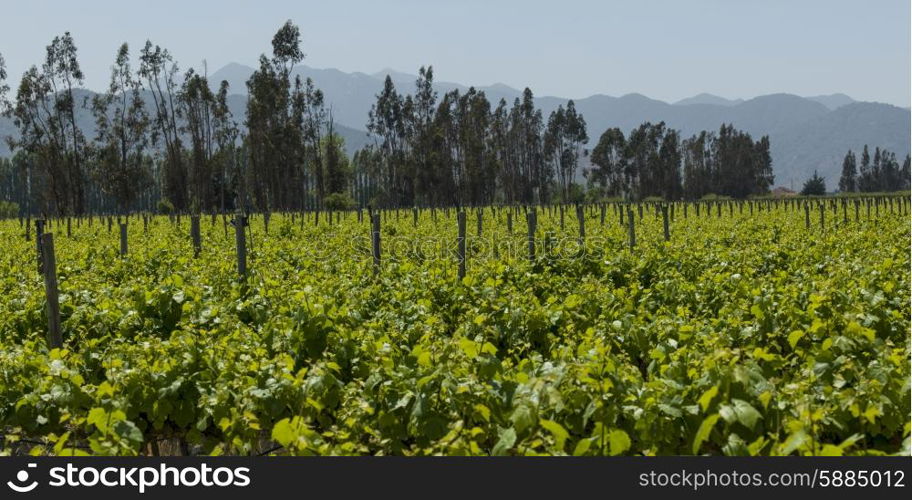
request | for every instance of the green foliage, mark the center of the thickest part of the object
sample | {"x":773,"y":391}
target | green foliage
{"x":815,"y":186}
{"x":339,"y":201}
{"x":8,"y":209}
{"x":743,"y":335}
{"x":165,"y":206}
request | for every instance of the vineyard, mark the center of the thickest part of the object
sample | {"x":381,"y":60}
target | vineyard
{"x":738,"y":328}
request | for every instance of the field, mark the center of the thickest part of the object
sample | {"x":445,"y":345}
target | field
{"x":746,"y":333}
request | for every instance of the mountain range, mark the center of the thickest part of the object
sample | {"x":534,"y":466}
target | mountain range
{"x":806,"y":133}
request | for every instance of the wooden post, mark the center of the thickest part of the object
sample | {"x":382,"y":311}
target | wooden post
{"x":195,"y":235}
{"x":631,"y":233}
{"x":807,"y":216}
{"x":845,"y":212}
{"x":69,"y":228}
{"x":28,"y":229}
{"x":240,"y":240}
{"x":123,"y":239}
{"x":562,"y":217}
{"x":480,"y":212}
{"x":375,"y":242}
{"x":510,"y":221}
{"x":54,"y":336}
{"x":415,"y":216}
{"x":665,"y":222}
{"x":461,"y":243}
{"x":602,"y":216}
{"x":531,"y":222}
{"x":581,"y":218}
{"x":822,"y":226}
{"x":39,"y":232}
{"x":857,"y":203}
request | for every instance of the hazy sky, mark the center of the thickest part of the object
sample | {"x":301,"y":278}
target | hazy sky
{"x":664,"y":49}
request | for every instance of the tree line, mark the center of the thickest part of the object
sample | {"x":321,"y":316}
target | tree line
{"x":458,"y":149}
{"x":880,"y":175}
{"x":653,"y":161}
{"x":165,"y":139}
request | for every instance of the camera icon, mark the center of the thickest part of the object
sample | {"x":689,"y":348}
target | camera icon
{"x":21,"y":477}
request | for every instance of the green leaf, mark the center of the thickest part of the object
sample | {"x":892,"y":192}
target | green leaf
{"x":522,"y":418}
{"x":708,"y":396}
{"x":127,"y":430}
{"x":703,"y":432}
{"x":794,"y":337}
{"x":506,"y":441}
{"x":582,"y":446}
{"x":618,"y":442}
{"x":746,"y":413}
{"x":557,"y":430}
{"x":283,"y":433}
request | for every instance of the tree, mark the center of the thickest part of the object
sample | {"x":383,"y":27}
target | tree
{"x":45,"y":114}
{"x":814,"y":186}
{"x":285,"y":123}
{"x":609,"y":160}
{"x":196,"y":104}
{"x":387,"y":126}
{"x":228,"y":177}
{"x":564,"y":137}
{"x":159,"y":72}
{"x":337,"y":170}
{"x":698,"y":165}
{"x":905,"y":174}
{"x":4,"y":87}
{"x":865,"y":175}
{"x":849,"y":173}
{"x":121,"y":124}
{"x":62,"y":69}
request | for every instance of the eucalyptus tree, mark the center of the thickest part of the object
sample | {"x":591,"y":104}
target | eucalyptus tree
{"x":228,"y":177}
{"x":849,"y":173}
{"x":285,"y":119}
{"x":121,"y":125}
{"x":159,"y":71}
{"x":4,"y":87}
{"x":64,"y":74}
{"x":526,"y":132}
{"x":865,"y":175}
{"x":196,"y":104}
{"x":424,"y":161}
{"x":313,"y":117}
{"x":564,"y":138}
{"x":45,"y":114}
{"x":387,"y":127}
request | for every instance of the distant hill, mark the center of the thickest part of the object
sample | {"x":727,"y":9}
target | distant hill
{"x":806,"y":133}
{"x":833,"y":101}
{"x":708,"y":99}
